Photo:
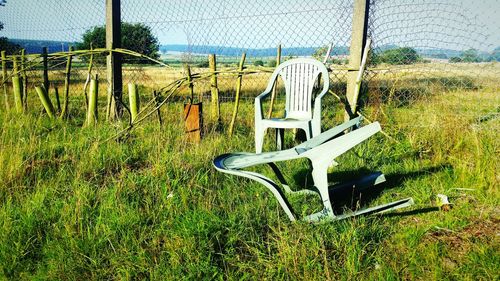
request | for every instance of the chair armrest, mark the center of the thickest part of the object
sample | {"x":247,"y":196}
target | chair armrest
{"x":258,"y":104}
{"x":317,"y":104}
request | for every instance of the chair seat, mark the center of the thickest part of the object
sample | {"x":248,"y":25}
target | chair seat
{"x":286,"y":122}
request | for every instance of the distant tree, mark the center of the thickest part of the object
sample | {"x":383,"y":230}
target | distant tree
{"x":404,"y":55}
{"x":203,"y":64}
{"x":455,"y":59}
{"x":271,"y":63}
{"x":136,"y":37}
{"x":258,"y":63}
{"x":320,"y":53}
{"x":470,"y":55}
{"x":5,"y":45}
{"x":495,"y":55}
{"x":9,"y":47}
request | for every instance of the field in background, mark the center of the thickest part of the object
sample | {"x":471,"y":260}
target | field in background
{"x":152,"y":206}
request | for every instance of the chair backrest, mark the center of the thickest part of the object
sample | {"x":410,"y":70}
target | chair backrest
{"x":299,"y":77}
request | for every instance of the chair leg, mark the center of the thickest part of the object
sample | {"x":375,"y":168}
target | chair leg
{"x":259,"y":138}
{"x":308,"y":131}
{"x":320,"y":177}
{"x":315,"y":128}
{"x":280,"y":138}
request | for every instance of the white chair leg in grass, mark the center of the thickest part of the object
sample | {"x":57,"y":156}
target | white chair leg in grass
{"x":321,"y":150}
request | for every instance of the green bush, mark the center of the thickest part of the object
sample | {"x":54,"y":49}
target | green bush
{"x":271,"y":63}
{"x":258,"y":63}
{"x":404,"y":55}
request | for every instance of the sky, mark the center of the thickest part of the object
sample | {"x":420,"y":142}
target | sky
{"x":449,"y":24}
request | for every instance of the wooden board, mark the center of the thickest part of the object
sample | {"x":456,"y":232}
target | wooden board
{"x":193,"y":119}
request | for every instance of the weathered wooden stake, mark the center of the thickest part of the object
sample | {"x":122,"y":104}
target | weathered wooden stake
{"x":45,"y":68}
{"x":89,"y":74}
{"x":4,"y":79}
{"x":58,"y":101}
{"x":157,"y":103}
{"x":64,"y":111}
{"x":92,"y":107}
{"x":17,"y":87}
{"x":190,"y":82}
{"x":327,"y":55}
{"x":133,"y":97}
{"x":358,"y":39}
{"x":238,"y":90}
{"x":360,"y":75}
{"x":25,"y":79}
{"x":215,"y":106}
{"x":44,"y":98}
{"x":275,"y":88}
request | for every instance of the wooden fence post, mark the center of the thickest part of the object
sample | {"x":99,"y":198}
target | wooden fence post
{"x":56,"y":94}
{"x":215,"y":107}
{"x":114,"y":59}
{"x":25,"y":79}
{"x":45,"y":68}
{"x":92,"y":106}
{"x":44,"y":98}
{"x":4,"y":79}
{"x":238,"y":90}
{"x":275,"y":87}
{"x":64,"y":111}
{"x":89,"y":76}
{"x":17,"y":87}
{"x":358,"y":39}
{"x":190,"y":82}
{"x":157,"y":103}
{"x":133,"y":98}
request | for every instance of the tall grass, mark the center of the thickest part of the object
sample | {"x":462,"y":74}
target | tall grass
{"x":152,"y":207}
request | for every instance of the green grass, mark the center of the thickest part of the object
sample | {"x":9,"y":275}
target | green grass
{"x":152,"y":206}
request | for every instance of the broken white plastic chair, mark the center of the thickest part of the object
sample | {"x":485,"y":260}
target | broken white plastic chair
{"x":321,"y":151}
{"x":299,"y":78}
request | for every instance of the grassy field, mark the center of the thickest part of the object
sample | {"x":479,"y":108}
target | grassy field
{"x":152,"y":207}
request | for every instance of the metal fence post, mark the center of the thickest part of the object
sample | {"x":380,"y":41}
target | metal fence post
{"x":114,"y":60}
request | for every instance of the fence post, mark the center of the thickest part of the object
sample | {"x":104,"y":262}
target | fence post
{"x":157,"y":103}
{"x":56,"y":94}
{"x":25,"y":79}
{"x":190,"y":82}
{"x":45,"y":68}
{"x":212,"y":63}
{"x":133,"y":97}
{"x":275,"y":87}
{"x":4,"y":79}
{"x":114,"y":60}
{"x":238,"y":90}
{"x":358,"y":39}
{"x":44,"y":98}
{"x":67,"y":81}
{"x":17,"y":87}
{"x":92,"y":106}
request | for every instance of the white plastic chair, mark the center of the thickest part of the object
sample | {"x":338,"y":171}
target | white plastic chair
{"x":299,"y":77}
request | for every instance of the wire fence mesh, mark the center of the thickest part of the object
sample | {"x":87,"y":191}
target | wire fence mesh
{"x":421,"y":49}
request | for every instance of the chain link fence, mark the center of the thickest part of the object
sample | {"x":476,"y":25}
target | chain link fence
{"x":421,"y":49}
